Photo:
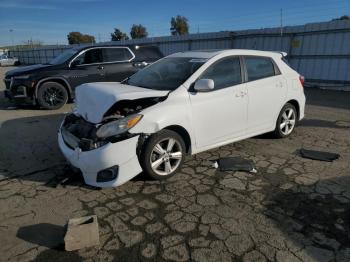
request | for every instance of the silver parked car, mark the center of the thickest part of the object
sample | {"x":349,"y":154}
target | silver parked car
{"x":8,"y":61}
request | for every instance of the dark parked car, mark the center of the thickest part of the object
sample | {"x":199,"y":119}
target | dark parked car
{"x":51,"y":85}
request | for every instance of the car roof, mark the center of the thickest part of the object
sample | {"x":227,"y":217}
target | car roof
{"x":214,"y":52}
{"x":132,"y":47}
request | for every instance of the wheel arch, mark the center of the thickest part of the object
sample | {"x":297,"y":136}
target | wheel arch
{"x":183,"y":133}
{"x":59,"y":80}
{"x":295,"y":103}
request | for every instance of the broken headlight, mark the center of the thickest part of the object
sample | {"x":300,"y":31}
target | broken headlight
{"x":118,"y":127}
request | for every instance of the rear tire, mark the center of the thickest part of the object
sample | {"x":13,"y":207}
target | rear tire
{"x":163,"y":154}
{"x":52,"y":95}
{"x":286,"y":121}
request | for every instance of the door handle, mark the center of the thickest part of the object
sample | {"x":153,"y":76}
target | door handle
{"x":100,"y":67}
{"x":241,"y":94}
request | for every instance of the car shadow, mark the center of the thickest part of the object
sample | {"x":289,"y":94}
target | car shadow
{"x":327,"y":98}
{"x":49,"y":236}
{"x":29,"y":151}
{"x":324,"y":123}
{"x":313,"y":217}
{"x":43,"y":234}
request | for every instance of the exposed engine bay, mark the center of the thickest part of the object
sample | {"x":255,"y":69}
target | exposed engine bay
{"x":77,"y":132}
{"x":124,"y":108}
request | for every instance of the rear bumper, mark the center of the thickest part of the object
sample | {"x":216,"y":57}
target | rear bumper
{"x":121,"y":154}
{"x":302,"y":107}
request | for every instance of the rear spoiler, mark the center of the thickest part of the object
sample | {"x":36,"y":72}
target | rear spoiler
{"x":284,"y":54}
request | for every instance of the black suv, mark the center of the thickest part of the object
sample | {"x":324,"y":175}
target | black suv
{"x":51,"y":85}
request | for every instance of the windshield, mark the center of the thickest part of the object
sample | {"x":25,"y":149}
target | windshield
{"x":63,"y":57}
{"x":167,"y":74}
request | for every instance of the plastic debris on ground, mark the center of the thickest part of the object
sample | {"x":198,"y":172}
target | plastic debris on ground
{"x":318,"y":155}
{"x":235,"y":164}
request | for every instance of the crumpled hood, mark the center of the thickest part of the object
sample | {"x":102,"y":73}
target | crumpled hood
{"x":94,"y":99}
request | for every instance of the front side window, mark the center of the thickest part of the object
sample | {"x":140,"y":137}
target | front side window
{"x":63,"y":57}
{"x":91,"y":56}
{"x":259,"y":67}
{"x":224,"y":73}
{"x":116,"y":54}
{"x":166,"y":74}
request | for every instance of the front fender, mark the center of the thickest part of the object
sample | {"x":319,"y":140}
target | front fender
{"x":175,"y":110}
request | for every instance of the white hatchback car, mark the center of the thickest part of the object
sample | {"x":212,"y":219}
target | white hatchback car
{"x":184,"y":103}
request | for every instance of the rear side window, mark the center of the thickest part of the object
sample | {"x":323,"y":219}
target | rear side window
{"x":147,"y":53}
{"x":91,"y":56}
{"x":259,"y":67}
{"x":224,"y":73}
{"x":116,"y":54}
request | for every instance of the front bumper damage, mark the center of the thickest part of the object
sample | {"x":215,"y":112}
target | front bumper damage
{"x":110,"y":165}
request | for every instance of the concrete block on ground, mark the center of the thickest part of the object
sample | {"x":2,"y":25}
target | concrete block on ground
{"x":82,"y":232}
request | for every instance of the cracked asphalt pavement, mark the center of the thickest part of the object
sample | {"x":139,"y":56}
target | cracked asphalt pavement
{"x":293,"y":209}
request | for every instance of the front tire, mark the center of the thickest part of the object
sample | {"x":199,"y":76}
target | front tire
{"x":286,"y":121}
{"x":52,"y":95}
{"x":163,"y":154}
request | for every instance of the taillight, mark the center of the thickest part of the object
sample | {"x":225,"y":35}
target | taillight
{"x":302,"y":80}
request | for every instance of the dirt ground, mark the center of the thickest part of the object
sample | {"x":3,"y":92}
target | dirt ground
{"x":293,"y":209}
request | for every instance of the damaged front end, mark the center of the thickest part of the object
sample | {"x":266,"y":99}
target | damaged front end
{"x":123,"y":115}
{"x":96,"y":139}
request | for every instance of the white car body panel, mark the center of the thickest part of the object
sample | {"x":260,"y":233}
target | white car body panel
{"x":91,"y":162}
{"x":92,"y":104}
{"x":219,"y":116}
{"x":211,"y":119}
{"x":266,"y":98}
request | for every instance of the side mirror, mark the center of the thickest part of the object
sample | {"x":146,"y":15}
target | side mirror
{"x":204,"y":85}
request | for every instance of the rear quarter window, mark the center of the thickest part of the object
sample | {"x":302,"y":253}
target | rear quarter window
{"x":147,"y":53}
{"x":259,"y":67}
{"x":116,"y":54}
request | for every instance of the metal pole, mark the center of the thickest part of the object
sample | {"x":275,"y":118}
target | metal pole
{"x":11,"y":34}
{"x":281,"y":27}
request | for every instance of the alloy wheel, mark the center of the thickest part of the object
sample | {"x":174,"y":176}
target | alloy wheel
{"x":53,"y":96}
{"x":288,"y":121}
{"x":166,"y":156}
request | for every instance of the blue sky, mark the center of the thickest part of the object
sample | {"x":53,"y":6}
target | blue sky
{"x":50,"y":20}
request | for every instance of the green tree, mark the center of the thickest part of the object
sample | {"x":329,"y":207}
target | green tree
{"x":179,"y":25}
{"x":79,"y":38}
{"x":343,"y":17}
{"x":138,"y":31}
{"x":118,"y":35}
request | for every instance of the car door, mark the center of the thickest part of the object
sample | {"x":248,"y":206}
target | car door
{"x":87,"y":67}
{"x":266,"y":91}
{"x":117,"y":63}
{"x":220,"y":115}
